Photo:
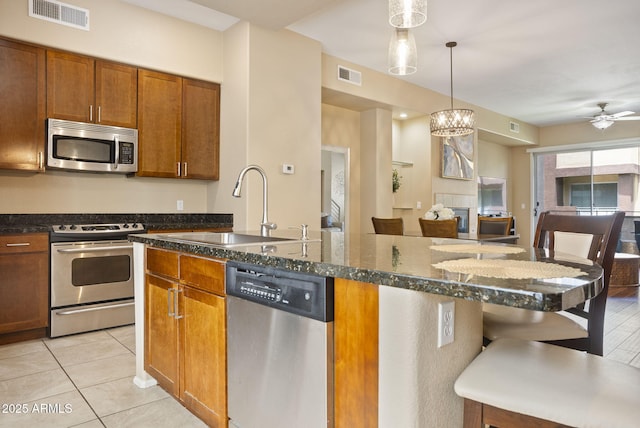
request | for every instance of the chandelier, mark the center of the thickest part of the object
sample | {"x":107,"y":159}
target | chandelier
{"x":452,"y":122}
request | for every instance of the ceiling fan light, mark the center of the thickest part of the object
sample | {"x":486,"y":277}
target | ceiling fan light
{"x":452,"y":123}
{"x":407,"y":13}
{"x":403,"y":54}
{"x":602,"y":123}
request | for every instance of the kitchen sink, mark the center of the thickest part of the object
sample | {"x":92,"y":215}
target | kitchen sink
{"x":230,"y":239}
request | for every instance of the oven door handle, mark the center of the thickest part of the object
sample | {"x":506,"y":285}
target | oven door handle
{"x":97,"y":308}
{"x":95,"y":249}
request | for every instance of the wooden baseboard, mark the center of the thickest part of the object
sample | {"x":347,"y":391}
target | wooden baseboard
{"x":23,"y":336}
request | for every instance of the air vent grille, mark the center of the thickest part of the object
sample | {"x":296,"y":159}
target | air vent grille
{"x":61,"y":13}
{"x":514,"y":127}
{"x":347,"y":75}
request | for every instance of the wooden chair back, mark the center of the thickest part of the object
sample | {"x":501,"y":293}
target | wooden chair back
{"x":494,"y":225}
{"x":388,"y":226}
{"x":604,"y":231}
{"x":439,"y":228}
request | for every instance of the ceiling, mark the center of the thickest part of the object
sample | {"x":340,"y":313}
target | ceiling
{"x":544,"y":62}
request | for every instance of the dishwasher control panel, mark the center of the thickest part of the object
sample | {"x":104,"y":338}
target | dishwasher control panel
{"x":302,"y":294}
{"x":260,"y":291}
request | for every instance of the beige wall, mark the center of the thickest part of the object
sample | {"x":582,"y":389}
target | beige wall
{"x":270,"y":117}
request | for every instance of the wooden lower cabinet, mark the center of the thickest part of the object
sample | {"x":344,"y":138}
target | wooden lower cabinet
{"x":185,"y":331}
{"x":24,"y":286}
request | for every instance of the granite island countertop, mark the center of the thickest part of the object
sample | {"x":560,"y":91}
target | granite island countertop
{"x":408,"y":262}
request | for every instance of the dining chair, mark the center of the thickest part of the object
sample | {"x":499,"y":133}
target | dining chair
{"x":439,"y":228}
{"x":388,"y":226}
{"x":582,"y":328}
{"x":494,"y":225}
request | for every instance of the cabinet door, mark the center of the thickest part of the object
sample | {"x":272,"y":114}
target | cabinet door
{"x":200,"y":129}
{"x":24,"y":288}
{"x":203,"y":355}
{"x":116,"y":94}
{"x":161,"y":334}
{"x":159,"y":124}
{"x":22,"y":106}
{"x":70,"y":87}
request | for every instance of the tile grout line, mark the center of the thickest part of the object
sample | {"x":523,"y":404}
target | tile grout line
{"x":74,"y":384}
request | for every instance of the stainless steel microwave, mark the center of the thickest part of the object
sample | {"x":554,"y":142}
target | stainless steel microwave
{"x":78,"y":146}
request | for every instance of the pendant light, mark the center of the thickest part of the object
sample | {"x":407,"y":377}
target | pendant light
{"x":452,"y":122}
{"x":403,"y":55}
{"x":407,"y":13}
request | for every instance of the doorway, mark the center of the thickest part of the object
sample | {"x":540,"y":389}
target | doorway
{"x":334,"y":193}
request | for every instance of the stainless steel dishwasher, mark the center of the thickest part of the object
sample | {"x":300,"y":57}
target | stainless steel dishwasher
{"x":280,"y":348}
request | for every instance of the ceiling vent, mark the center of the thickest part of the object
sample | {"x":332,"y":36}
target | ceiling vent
{"x":60,"y":13}
{"x":347,"y":75}
{"x":514,"y":127}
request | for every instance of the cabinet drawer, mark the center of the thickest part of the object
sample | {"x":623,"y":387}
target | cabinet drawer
{"x":24,"y":243}
{"x":162,"y":262}
{"x":202,"y":273}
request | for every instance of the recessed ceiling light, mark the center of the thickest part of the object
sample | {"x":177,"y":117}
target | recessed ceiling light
{"x":403,"y":115}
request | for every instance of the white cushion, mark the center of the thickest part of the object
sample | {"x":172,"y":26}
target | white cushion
{"x":503,"y":321}
{"x":554,"y":383}
{"x":577,"y":244}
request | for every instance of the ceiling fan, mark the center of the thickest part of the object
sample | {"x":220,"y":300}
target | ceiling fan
{"x":603,"y":120}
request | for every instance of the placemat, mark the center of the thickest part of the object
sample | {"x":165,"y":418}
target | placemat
{"x":509,"y":269}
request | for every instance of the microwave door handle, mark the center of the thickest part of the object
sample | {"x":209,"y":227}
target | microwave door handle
{"x":117,"y":141}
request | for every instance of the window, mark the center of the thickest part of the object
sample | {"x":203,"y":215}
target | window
{"x":605,"y":195}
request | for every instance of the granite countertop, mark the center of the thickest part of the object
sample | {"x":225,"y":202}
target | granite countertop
{"x":407,"y":262}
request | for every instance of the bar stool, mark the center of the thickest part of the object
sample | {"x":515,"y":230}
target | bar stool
{"x":525,"y":384}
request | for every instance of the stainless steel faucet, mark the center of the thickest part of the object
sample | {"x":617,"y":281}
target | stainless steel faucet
{"x":265,"y":226}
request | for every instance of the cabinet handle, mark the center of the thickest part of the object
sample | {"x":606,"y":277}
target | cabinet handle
{"x":185,"y":169}
{"x":19,"y":244}
{"x":176,"y":298}
{"x":179,"y":165}
{"x":40,"y":160}
{"x":91,"y":113}
{"x":99,"y":114}
{"x":169,"y":305}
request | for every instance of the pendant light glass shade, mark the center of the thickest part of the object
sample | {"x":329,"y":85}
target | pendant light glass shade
{"x":452,"y":122}
{"x":403,"y":55}
{"x":407,"y":13}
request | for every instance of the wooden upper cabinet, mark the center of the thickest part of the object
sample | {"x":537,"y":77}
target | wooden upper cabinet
{"x":22,"y":106}
{"x":116,"y":94}
{"x":70,"y":93}
{"x":82,"y":89}
{"x":200,"y":129}
{"x":178,"y":127}
{"x":159,"y":124}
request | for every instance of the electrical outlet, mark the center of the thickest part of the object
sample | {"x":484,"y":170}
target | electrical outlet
{"x":180,"y":205}
{"x":446,"y":322}
{"x":418,"y":204}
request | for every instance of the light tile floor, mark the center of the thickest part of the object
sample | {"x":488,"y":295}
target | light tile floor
{"x":86,"y":380}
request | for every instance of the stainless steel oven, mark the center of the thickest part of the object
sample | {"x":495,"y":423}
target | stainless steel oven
{"x":91,"y":277}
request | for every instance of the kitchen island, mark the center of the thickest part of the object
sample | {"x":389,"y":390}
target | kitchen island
{"x":389,"y":368}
